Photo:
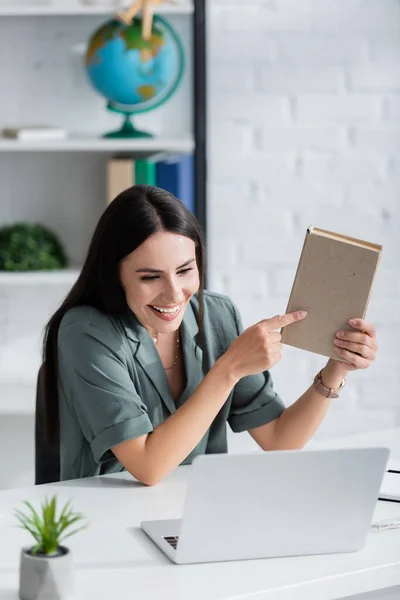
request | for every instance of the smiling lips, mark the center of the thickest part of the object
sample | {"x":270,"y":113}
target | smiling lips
{"x":166,"y":314}
{"x":169,"y":311}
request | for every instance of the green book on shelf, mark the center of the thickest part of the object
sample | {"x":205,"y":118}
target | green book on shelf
{"x":145,"y":170}
{"x":123,"y":172}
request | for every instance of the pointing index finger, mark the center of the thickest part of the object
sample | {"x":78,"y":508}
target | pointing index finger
{"x":280,"y":321}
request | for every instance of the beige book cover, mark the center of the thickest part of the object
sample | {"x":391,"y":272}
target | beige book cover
{"x":333,"y":283}
{"x":120,"y":176}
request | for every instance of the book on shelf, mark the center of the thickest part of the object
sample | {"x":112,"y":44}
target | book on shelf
{"x":145,"y":170}
{"x":123,"y":172}
{"x":172,"y":172}
{"x":333,"y":283}
{"x":176,"y":174}
{"x":35,"y":132}
{"x":120,"y":176}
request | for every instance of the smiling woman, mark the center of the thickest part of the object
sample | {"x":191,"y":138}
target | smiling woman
{"x":143,"y":369}
{"x":158,"y":296}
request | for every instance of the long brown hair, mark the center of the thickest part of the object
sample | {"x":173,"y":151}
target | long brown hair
{"x":134,"y":215}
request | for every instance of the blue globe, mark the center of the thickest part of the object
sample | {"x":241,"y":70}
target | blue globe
{"x":134,"y":75}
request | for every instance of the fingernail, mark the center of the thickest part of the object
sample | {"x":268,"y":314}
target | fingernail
{"x":302,"y":314}
{"x":352,"y":322}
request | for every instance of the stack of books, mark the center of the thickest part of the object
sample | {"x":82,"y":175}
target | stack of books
{"x":35,"y":132}
{"x":172,"y":172}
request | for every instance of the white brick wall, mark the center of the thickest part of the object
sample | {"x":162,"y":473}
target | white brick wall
{"x":315,"y":108}
{"x":304,"y":107}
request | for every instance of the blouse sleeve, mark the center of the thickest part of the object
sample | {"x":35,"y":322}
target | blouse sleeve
{"x":97,"y":386}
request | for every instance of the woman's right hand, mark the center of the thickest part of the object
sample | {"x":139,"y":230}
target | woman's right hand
{"x":259,"y":347}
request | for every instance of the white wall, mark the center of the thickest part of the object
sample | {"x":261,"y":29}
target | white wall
{"x":304,"y":128}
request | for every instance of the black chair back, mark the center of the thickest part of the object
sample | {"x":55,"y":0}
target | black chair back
{"x":47,"y":459}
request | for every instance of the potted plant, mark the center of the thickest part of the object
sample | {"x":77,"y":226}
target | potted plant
{"x":30,"y":247}
{"x":46,"y":567}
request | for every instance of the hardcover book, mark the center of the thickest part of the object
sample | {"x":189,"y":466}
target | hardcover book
{"x":333,"y":283}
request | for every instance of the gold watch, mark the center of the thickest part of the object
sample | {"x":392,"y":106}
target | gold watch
{"x":325,"y":391}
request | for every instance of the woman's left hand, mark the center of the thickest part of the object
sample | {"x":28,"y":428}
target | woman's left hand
{"x":359,"y":347}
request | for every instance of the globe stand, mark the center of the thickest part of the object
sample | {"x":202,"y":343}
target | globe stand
{"x":128,"y":130}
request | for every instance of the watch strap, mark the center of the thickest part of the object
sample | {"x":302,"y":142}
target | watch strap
{"x":325,"y":391}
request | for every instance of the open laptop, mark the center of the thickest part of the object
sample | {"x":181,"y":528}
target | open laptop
{"x":270,"y":504}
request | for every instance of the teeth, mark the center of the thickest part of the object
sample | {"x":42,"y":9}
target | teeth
{"x":169,"y":311}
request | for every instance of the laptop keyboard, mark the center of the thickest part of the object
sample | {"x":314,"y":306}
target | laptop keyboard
{"x":172,"y":540}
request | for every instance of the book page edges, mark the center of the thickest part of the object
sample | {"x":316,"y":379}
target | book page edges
{"x":341,"y":236}
{"x":372,"y":282}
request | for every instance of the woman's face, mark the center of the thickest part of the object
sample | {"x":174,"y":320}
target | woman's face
{"x":159,"y":278}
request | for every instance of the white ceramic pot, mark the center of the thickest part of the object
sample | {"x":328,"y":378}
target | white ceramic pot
{"x":43,"y":577}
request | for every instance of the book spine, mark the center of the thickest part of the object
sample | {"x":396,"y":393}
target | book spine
{"x":167,"y":176}
{"x":176,"y":175}
{"x":285,"y":331}
{"x":120,"y":176}
{"x":186,"y":191}
{"x":145,"y":171}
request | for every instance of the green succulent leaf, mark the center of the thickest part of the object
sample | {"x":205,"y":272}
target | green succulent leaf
{"x":64,"y":537}
{"x":47,"y":529}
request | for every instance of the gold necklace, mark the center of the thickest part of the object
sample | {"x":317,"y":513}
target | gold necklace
{"x":155,"y":340}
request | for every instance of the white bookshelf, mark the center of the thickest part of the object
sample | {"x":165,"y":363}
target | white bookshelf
{"x":72,"y":8}
{"x":61,"y":183}
{"x":38,"y":278}
{"x":98,"y":144}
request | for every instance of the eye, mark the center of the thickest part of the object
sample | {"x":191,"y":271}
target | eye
{"x":149,"y":277}
{"x":154,"y":277}
{"x":184,"y":271}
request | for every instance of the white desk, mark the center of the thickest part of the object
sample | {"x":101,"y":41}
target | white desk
{"x":114,"y":559}
{"x":388,"y":437}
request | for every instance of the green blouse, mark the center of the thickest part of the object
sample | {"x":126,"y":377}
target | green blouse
{"x":113,"y":386}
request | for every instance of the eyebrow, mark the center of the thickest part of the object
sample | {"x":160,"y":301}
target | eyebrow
{"x":149,"y":270}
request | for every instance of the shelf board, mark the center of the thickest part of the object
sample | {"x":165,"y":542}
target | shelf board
{"x":179,"y":7}
{"x":98,"y":144}
{"x":57,"y":277}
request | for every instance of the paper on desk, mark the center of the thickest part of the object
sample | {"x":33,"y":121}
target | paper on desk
{"x":390,"y":488}
{"x":393,"y":464}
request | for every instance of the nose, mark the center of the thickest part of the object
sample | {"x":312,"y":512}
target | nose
{"x":173,"y":291}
